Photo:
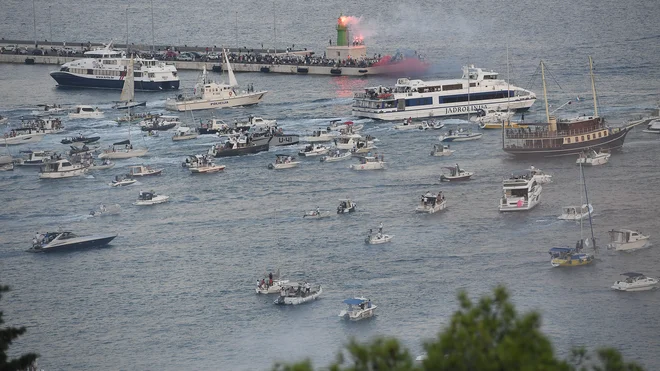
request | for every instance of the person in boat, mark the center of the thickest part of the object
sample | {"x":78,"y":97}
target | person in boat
{"x":380,"y":227}
{"x":318,"y":211}
{"x":270,"y":279}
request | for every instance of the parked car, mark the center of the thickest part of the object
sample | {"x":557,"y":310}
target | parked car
{"x":38,"y":52}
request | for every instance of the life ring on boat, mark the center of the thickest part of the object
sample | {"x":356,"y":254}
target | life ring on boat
{"x":230,"y":94}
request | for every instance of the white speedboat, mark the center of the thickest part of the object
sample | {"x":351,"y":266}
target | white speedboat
{"x":293,"y":293}
{"x":653,"y":127}
{"x":358,"y":309}
{"x":61,"y":169}
{"x":313,"y":150}
{"x":377,"y":238}
{"x":410,"y":125}
{"x":369,"y":163}
{"x":635,"y":282}
{"x":49,"y":110}
{"x":347,"y":142}
{"x":521,"y":192}
{"x":16,"y":136}
{"x":150,"y":198}
{"x":316,"y":214}
{"x":541,"y":177}
{"x":122,"y":180}
{"x":210,"y":94}
{"x":441,"y":150}
{"x":142,"y":170}
{"x":121,"y":150}
{"x":346,"y":206}
{"x":103,"y":210}
{"x":336,"y":155}
{"x":455,"y":174}
{"x":459,"y":135}
{"x":431,"y":203}
{"x":184,"y":133}
{"x":344,"y":128}
{"x":55,"y":241}
{"x":593,"y":158}
{"x":86,"y":112}
{"x":35,"y":158}
{"x":576,"y":212}
{"x":272,"y":284}
{"x":627,"y":240}
{"x":283,"y":162}
{"x":320,"y":136}
{"x":106,"y":164}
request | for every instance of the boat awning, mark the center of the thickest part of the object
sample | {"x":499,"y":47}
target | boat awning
{"x":354,"y":301}
{"x":632,"y":274}
{"x":123,"y":142}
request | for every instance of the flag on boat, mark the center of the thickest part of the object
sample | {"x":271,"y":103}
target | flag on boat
{"x":520,"y":203}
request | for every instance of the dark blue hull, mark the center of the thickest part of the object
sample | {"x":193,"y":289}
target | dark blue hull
{"x":66,"y":79}
{"x":80,"y":245}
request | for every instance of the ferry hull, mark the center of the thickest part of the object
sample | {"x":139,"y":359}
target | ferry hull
{"x":611,"y":142}
{"x":444,"y":110}
{"x":67,"y":79}
{"x":200,"y":104}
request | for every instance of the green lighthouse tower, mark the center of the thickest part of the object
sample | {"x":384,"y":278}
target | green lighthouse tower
{"x":342,"y":31}
{"x":345,"y":48}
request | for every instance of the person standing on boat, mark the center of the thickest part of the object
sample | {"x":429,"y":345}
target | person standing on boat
{"x":380,"y":227}
{"x":270,"y":279}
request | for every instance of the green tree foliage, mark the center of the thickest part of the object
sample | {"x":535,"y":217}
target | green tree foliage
{"x":488,"y":335}
{"x":7,"y":334}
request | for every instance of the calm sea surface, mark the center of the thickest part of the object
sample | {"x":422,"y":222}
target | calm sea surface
{"x":175,"y":289}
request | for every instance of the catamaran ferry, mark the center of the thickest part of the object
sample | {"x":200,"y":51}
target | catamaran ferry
{"x":105,"y":68}
{"x":477,"y":89}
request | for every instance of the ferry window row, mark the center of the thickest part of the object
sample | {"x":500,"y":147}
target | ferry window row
{"x":581,"y":137}
{"x":474,"y":97}
{"x":419,"y":101}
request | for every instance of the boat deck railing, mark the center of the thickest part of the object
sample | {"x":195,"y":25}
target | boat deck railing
{"x":528,"y":133}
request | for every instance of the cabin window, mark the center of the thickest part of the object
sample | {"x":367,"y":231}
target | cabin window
{"x":137,"y":74}
{"x":152,"y":75}
{"x":568,"y":140}
{"x":452,"y":87}
{"x":472,"y":84}
{"x":588,"y":137}
{"x":582,"y":138}
{"x":600,"y":135}
{"x":577,"y":139}
{"x":419,"y":101}
{"x":90,"y":72}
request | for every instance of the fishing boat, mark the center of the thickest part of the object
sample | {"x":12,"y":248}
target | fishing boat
{"x":271,"y":284}
{"x":440,"y":150}
{"x":460,"y":135}
{"x":65,"y":240}
{"x":346,"y":206}
{"x":358,"y":308}
{"x":184,"y":133}
{"x":142,"y":170}
{"x":316,"y":214}
{"x":133,"y":118}
{"x":313,"y":150}
{"x":627,"y":240}
{"x":103,"y":210}
{"x":593,"y":158}
{"x":431,"y":203}
{"x":293,"y":293}
{"x":105,"y":68}
{"x":86,"y":112}
{"x":106,"y":164}
{"x":150,"y":198}
{"x":209,"y":94}
{"x":61,"y":169}
{"x":122,"y":180}
{"x":283,"y":162}
{"x":369,"y":163}
{"x":573,"y":256}
{"x":565,"y":137}
{"x":476,"y":89}
{"x":336,"y":155}
{"x":521,"y":192}
{"x":635,"y":282}
{"x":455,"y":174}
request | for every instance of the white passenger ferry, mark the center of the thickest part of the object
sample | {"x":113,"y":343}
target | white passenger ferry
{"x":105,"y":68}
{"x":476,"y":90}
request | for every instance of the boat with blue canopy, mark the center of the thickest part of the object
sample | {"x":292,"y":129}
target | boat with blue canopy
{"x":358,"y":308}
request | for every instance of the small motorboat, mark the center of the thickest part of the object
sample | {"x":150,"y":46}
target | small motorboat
{"x":593,"y":158}
{"x":576,"y":212}
{"x":63,"y":240}
{"x":455,"y":174}
{"x":569,"y":257}
{"x":49,"y":110}
{"x":346,"y":206}
{"x":150,"y":198}
{"x":369,"y":163}
{"x":653,"y":127}
{"x":105,"y":210}
{"x":410,"y":125}
{"x":142,"y":170}
{"x":358,"y":309}
{"x":61,"y":169}
{"x":184,"y":133}
{"x":160,"y":123}
{"x":313,"y":150}
{"x":627,"y":240}
{"x":293,"y":293}
{"x":441,"y":150}
{"x":80,"y":138}
{"x":283,"y":162}
{"x":320,"y":135}
{"x":336,"y":155}
{"x":122,"y":180}
{"x":540,"y":176}
{"x":431,"y":203}
{"x":207,"y":168}
{"x":271,"y":284}
{"x":35,"y":158}
{"x":85,"y":112}
{"x":635,"y":282}
{"x":106,"y":164}
{"x":377,"y":238}
{"x":459,"y":135}
{"x":316,"y":214}
{"x":128,"y":104}
{"x":18,"y":136}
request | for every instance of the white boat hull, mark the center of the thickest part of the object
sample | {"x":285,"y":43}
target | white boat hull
{"x":360,"y":314}
{"x":124,"y":182}
{"x":184,"y":137}
{"x":90,"y":115}
{"x":207,"y":169}
{"x":299,"y":299}
{"x":102,"y":167}
{"x":515,"y":204}
{"x":319,"y":139}
{"x":314,"y":215}
{"x":428,"y":209}
{"x":24,"y":139}
{"x":577,"y":216}
{"x":342,"y":157}
{"x":284,"y":166}
{"x":315,"y":152}
{"x":443,"y":110}
{"x":631,"y":246}
{"x":154,"y":201}
{"x":274,"y":289}
{"x":447,"y":152}
{"x":369,"y":166}
{"x":377,"y":241}
{"x":62,"y":174}
{"x":121,"y":154}
{"x":641,"y":285}
{"x":200,"y":104}
{"x":460,"y":138}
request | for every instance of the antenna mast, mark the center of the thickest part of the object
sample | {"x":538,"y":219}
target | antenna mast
{"x":593,"y":85}
{"x":545,"y":92}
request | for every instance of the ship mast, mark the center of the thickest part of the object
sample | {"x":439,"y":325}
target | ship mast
{"x":508,"y":94}
{"x":593,"y":85}
{"x":545,"y":92}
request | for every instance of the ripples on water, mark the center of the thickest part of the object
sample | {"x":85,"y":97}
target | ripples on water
{"x":174,"y":290}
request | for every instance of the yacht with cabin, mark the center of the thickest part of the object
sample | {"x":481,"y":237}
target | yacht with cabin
{"x":476,"y":90}
{"x":521,"y":192}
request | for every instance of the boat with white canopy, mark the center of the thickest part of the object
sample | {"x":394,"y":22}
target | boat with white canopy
{"x":455,"y":174}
